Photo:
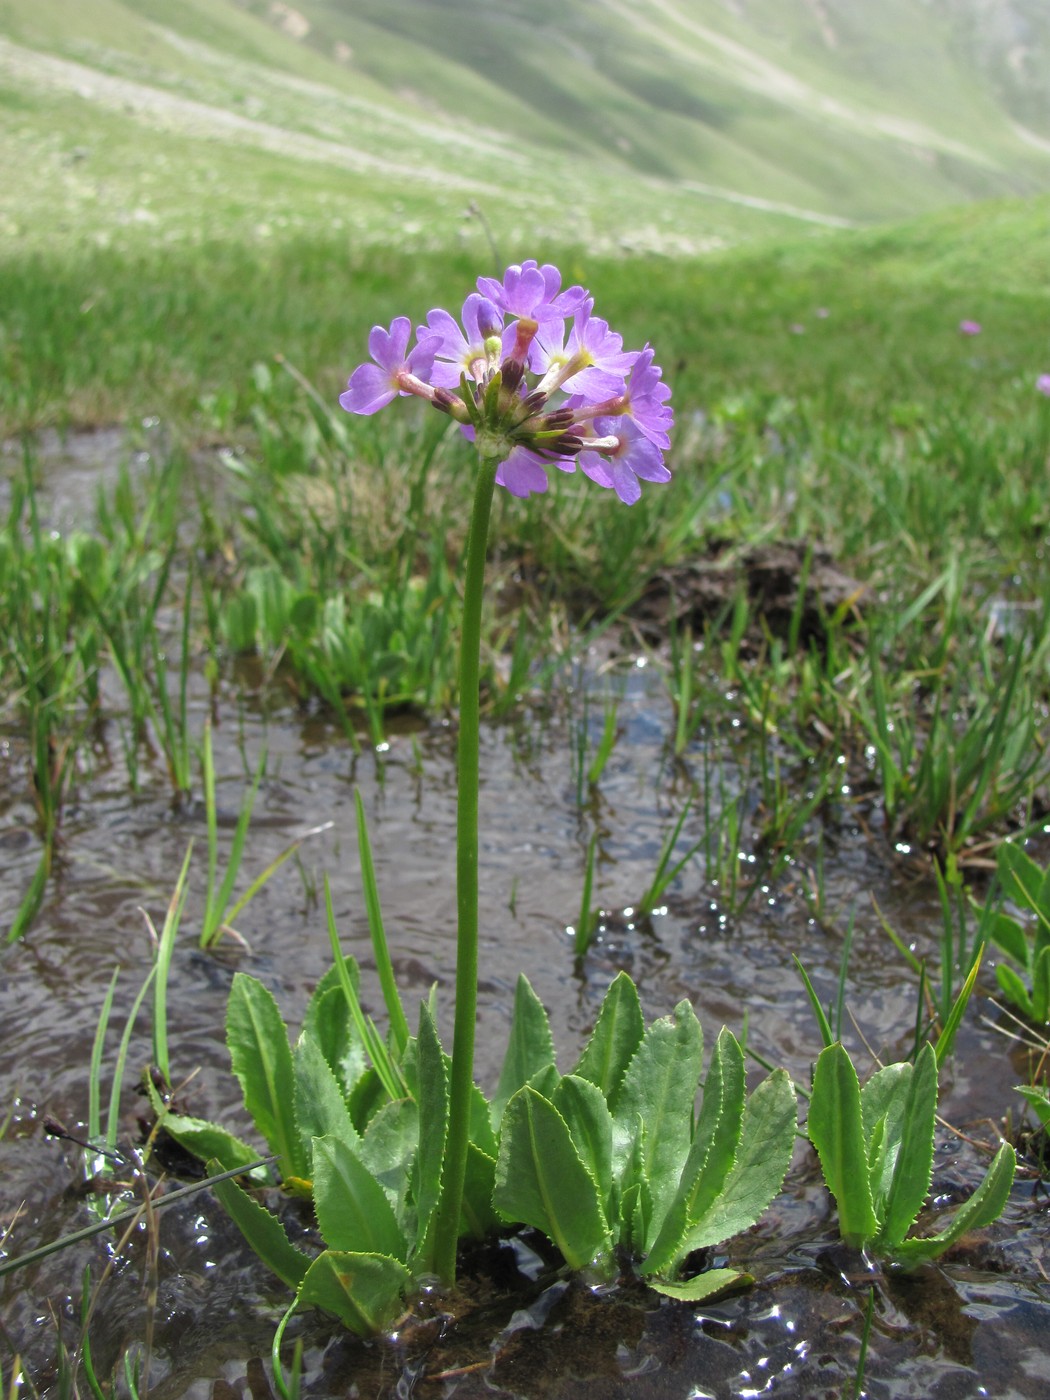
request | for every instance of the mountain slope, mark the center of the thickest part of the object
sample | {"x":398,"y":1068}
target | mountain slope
{"x":675,"y":125}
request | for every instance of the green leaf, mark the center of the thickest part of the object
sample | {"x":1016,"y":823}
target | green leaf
{"x":262,"y":1061}
{"x":210,"y":1142}
{"x":363,"y":1291}
{"x":388,"y":1147}
{"x":1020,"y":877}
{"x":836,"y":1130}
{"x":328,"y":1021}
{"x":1040,"y":1101}
{"x":767,"y":1142}
{"x":903,"y":1099}
{"x":433,"y":1100}
{"x":701,"y":1286}
{"x":985,"y":1205}
{"x":660,"y":1088}
{"x":582,"y":1105}
{"x":616,"y":1036}
{"x":264,"y":1232}
{"x":320,"y":1108}
{"x":541,"y":1180}
{"x":1009,"y":935}
{"x":481,"y":1133}
{"x":711,"y":1153}
{"x":1015,"y":990}
{"x":529,"y":1049}
{"x":478,"y":1219}
{"x":1041,"y":986}
{"x":352,"y":1208}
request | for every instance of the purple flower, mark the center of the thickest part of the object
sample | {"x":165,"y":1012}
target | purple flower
{"x":372,"y":387}
{"x":532,"y":291}
{"x":1042,"y":384}
{"x":969,"y":328}
{"x":625,"y":455}
{"x":593,"y":363}
{"x":462,"y":351}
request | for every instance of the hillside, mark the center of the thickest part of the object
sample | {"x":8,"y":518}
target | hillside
{"x":660,"y":125}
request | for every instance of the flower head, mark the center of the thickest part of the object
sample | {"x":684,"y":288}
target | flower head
{"x":534,"y":378}
{"x":969,"y":328}
{"x":1042,"y":384}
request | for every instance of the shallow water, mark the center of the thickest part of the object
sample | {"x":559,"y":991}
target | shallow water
{"x":977,"y":1324}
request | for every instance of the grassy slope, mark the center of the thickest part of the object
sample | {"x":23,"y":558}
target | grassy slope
{"x":687,"y":117}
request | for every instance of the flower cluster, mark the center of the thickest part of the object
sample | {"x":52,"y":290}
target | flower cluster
{"x":535,"y":378}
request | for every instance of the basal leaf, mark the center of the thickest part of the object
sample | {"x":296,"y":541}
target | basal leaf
{"x":205,"y":1140}
{"x":660,"y":1088}
{"x":388,"y":1147}
{"x":352,"y":1208}
{"x":767,"y":1142}
{"x":320,"y":1108}
{"x":985,"y":1205}
{"x":711,"y":1153}
{"x":481,"y":1133}
{"x":541,"y":1180}
{"x":328,"y":1022}
{"x":836,"y":1130}
{"x":263,"y":1231}
{"x":701,"y":1286}
{"x":478,"y":1218}
{"x":582,"y":1105}
{"x":530,"y":1047}
{"x":433,"y":1099}
{"x":616,"y":1036}
{"x":362,"y":1290}
{"x":906,"y":1155}
{"x":262,"y":1061}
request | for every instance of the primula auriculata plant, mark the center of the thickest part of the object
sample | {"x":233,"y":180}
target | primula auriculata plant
{"x":393,"y":1141}
{"x":876,"y":1151}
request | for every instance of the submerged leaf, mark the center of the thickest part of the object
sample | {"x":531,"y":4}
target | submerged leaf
{"x":363,"y":1291}
{"x":701,"y":1286}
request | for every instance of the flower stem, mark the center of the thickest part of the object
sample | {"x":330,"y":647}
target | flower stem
{"x":462,"y":1077}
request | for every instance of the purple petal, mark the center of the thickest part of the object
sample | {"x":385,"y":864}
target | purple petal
{"x":522,"y":473}
{"x":370,"y":389}
{"x":387,"y":347}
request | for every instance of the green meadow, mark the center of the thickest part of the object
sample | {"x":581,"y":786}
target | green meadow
{"x":842,"y":260}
